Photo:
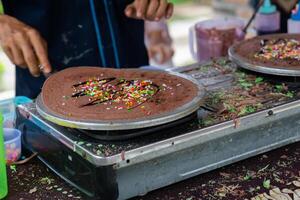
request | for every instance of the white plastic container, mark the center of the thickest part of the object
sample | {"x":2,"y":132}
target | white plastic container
{"x":267,"y":20}
{"x":294,"y":21}
{"x":293,"y":26}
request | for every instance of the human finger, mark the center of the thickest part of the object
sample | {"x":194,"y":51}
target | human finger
{"x":170,"y":10}
{"x":161,"y":12}
{"x":13,"y":52}
{"x":17,"y":55}
{"x":40,"y":50}
{"x":130,"y":11}
{"x":8,"y":52}
{"x":28,"y":54}
{"x":152,"y":9}
{"x":141,"y":8}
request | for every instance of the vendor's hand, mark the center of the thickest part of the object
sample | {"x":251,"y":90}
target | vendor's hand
{"x":160,"y":53}
{"x":149,"y":9}
{"x":24,"y":45}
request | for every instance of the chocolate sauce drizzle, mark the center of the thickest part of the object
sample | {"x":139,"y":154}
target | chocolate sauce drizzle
{"x":133,"y":93}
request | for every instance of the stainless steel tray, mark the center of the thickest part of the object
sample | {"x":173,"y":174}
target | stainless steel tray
{"x":208,"y":76}
{"x":155,"y":120}
{"x":280,"y":71}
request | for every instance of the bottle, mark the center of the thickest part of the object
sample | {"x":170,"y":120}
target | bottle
{"x":267,"y":20}
{"x":3,"y":176}
{"x":294,"y":21}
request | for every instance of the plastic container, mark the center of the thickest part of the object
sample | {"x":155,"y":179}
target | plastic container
{"x":12,"y":142}
{"x":212,"y":38}
{"x":3,"y":175}
{"x":8,"y":109}
{"x":267,"y":20}
{"x":294,"y":22}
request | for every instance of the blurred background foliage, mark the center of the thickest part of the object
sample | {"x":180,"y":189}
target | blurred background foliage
{"x":1,"y":8}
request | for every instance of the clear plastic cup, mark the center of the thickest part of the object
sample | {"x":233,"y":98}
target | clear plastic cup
{"x":12,"y":143}
{"x":212,"y":38}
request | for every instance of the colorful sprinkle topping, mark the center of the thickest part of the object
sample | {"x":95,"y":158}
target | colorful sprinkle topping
{"x":283,"y":49}
{"x":125,"y":94}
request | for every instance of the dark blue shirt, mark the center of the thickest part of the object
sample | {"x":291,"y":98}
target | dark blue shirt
{"x":80,"y":33}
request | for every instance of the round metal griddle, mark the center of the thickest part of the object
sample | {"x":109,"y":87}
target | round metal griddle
{"x":118,"y":135}
{"x":279,"y":71}
{"x":150,"y":121}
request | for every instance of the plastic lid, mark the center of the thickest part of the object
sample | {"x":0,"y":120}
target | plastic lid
{"x":267,"y":8}
{"x":296,"y":13}
{"x":19,"y":100}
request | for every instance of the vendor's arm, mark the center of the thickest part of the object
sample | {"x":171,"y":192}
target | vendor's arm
{"x":153,"y":10}
{"x":24,"y":45}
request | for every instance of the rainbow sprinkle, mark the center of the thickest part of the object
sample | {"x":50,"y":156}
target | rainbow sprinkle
{"x":282,"y":49}
{"x":127,"y":94}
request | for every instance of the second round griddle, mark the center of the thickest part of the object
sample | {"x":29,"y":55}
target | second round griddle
{"x":245,"y":63}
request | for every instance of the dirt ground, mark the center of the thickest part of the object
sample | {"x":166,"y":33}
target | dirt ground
{"x":272,"y":173}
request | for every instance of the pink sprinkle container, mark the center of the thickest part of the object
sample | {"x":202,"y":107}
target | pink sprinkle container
{"x":12,"y":143}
